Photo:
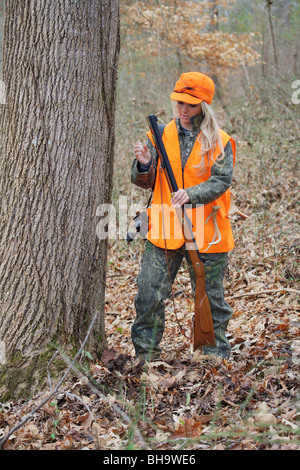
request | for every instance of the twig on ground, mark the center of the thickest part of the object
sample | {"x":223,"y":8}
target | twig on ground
{"x":55,"y":390}
{"x":260,"y":292}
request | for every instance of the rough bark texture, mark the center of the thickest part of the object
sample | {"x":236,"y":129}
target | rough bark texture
{"x":57,"y":138}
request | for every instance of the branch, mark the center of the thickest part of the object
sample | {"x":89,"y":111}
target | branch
{"x":54,"y":392}
{"x":107,"y":400}
{"x":72,"y":366}
{"x":267,"y":291}
{"x":292,"y":116}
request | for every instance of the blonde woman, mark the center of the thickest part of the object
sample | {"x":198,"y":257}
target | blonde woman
{"x":202,"y":157}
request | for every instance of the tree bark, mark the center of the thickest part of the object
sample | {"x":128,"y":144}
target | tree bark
{"x":273,"y":40}
{"x":57,"y":139}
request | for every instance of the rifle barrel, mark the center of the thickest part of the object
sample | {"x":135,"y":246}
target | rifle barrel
{"x":152,"y":121}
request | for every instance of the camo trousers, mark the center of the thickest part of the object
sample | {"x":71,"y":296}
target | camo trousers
{"x":154,"y":287}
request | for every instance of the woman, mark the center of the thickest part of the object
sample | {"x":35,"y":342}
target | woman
{"x":202,"y":158}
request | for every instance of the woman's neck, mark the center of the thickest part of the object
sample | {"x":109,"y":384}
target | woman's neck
{"x":194,"y":124}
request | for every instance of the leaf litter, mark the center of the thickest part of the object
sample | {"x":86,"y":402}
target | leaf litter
{"x":187,"y":401}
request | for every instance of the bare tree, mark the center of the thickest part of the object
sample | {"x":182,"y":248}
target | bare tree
{"x":269,"y":7}
{"x":57,"y":139}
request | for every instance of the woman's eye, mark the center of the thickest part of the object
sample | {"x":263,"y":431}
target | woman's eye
{"x":181,"y":103}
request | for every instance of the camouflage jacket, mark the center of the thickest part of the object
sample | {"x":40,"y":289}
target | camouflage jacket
{"x":203,"y":193}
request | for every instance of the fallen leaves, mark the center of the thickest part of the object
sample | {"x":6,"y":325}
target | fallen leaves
{"x":185,"y":400}
{"x":246,"y":403}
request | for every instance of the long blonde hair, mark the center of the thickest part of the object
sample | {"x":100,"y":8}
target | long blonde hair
{"x":209,"y":138}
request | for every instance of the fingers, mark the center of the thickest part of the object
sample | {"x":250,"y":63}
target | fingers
{"x":138,"y":148}
{"x":180,"y":198}
{"x":141,"y":153}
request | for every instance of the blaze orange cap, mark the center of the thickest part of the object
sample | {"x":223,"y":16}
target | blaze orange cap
{"x":194,"y":87}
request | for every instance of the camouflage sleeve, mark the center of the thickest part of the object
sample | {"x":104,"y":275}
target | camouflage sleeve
{"x":218,"y":182}
{"x":142,"y":176}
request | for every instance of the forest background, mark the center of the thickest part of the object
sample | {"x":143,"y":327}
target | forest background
{"x":251,"y":50}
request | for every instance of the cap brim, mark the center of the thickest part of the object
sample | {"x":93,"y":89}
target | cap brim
{"x":185,"y":97}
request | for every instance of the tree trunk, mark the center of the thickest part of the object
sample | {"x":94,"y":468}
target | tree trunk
{"x":273,"y":40}
{"x":57,"y":139}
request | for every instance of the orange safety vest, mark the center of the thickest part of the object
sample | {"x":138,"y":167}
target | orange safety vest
{"x":165,"y":227}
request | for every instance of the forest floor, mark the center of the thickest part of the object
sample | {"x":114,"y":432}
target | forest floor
{"x":249,"y":402}
{"x":180,"y":402}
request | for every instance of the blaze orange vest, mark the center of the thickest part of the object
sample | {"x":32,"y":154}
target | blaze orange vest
{"x":164,"y":224}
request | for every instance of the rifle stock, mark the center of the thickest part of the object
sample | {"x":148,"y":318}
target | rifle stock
{"x":204,"y":334}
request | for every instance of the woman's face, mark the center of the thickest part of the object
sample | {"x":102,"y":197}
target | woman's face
{"x":186,"y":112}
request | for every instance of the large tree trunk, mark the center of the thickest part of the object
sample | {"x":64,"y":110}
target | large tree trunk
{"x":57,"y":138}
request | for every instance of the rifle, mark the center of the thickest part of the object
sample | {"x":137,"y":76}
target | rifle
{"x":204,"y":334}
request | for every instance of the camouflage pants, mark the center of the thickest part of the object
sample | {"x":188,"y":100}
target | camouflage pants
{"x":154,"y":287}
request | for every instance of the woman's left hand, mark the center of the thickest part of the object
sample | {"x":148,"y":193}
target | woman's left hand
{"x":179,"y":198}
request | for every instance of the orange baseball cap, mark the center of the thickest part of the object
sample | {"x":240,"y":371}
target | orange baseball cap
{"x":194,"y":87}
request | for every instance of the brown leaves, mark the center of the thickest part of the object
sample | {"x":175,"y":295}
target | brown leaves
{"x":247,"y":403}
{"x":197,"y":400}
{"x":187,"y":26}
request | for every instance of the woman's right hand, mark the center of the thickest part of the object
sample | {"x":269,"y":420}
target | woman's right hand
{"x":141,"y":153}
